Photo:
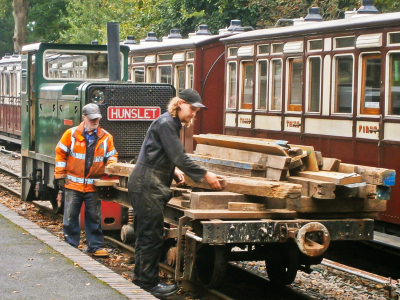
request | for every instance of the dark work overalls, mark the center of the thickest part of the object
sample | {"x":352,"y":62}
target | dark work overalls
{"x":149,"y":191}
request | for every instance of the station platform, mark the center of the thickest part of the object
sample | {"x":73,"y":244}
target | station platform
{"x":34,"y":264}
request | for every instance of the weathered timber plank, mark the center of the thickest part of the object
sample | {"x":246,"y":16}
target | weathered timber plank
{"x":335,"y":177}
{"x":276,"y":174}
{"x":214,"y":200}
{"x":246,"y":206}
{"x":312,"y":205}
{"x":318,"y":156}
{"x":348,"y":190}
{"x":338,"y":215}
{"x":371,"y":175}
{"x":314,"y":188}
{"x":232,"y":171}
{"x":310,"y":160}
{"x":106,"y":182}
{"x":201,"y":214}
{"x":330,"y":164}
{"x":248,"y":144}
{"x":272,"y":161}
{"x":119,"y":169}
{"x":227,"y":162}
{"x":251,"y":186}
{"x":372,"y":191}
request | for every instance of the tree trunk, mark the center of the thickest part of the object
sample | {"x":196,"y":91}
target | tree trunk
{"x":20,"y":13}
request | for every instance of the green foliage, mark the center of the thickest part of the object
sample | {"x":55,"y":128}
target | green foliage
{"x":6,"y":27}
{"x":45,"y":20}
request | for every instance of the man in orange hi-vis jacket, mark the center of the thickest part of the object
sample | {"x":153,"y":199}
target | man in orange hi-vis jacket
{"x":81,"y":156}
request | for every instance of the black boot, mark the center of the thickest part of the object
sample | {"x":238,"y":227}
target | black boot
{"x":162,"y":290}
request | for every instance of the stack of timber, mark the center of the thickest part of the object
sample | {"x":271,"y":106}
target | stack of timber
{"x":267,"y":174}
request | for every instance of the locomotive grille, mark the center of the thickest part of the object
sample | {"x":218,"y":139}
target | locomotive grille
{"x":129,"y":135}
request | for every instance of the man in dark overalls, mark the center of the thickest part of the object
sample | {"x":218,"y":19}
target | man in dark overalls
{"x":149,"y":187}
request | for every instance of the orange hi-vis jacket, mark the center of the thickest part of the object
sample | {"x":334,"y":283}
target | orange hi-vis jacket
{"x":71,"y":154}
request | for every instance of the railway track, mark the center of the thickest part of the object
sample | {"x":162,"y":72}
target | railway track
{"x":242,"y":276}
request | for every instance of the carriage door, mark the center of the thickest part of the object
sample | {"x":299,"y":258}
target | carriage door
{"x":28,"y":99}
{"x":294,"y":100}
{"x":369,"y":116}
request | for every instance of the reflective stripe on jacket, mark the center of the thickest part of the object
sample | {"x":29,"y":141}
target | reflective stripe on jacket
{"x":71,"y":154}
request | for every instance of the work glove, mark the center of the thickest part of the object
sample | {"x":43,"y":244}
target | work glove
{"x":61,"y":183}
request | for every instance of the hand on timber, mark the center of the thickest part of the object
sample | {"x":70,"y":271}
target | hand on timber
{"x":213,"y":180}
{"x":178,"y":176}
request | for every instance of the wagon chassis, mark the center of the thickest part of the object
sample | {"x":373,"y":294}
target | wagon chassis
{"x":202,"y":247}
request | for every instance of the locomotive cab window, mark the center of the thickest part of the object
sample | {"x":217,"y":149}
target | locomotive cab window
{"x":246,"y":95}
{"x":295,"y":75}
{"x":370,"y":84}
{"x":394,"y":81}
{"x":262,"y":84}
{"x":276,"y":85}
{"x":343,"y":84}
{"x":231,"y":86}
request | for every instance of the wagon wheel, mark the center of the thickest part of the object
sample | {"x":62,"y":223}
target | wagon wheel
{"x":211,"y":265}
{"x":282,"y":263}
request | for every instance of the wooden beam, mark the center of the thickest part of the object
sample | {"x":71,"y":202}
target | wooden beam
{"x":251,"y":186}
{"x":371,"y":175}
{"x":314,"y":188}
{"x":214,"y":200}
{"x":241,"y":164}
{"x":232,"y":171}
{"x":312,"y":205}
{"x":106,"y":182}
{"x":330,"y":164}
{"x":372,"y":191}
{"x":201,"y":214}
{"x":335,"y":177}
{"x":318,"y":155}
{"x":272,"y":161}
{"x":246,"y":206}
{"x":267,"y":147}
{"x":119,"y":169}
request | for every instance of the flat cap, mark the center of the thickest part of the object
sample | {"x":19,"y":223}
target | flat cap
{"x":92,"y":111}
{"x":192,"y":97}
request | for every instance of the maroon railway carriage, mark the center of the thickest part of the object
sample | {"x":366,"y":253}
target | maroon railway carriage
{"x":334,"y":85}
{"x":10,"y":98}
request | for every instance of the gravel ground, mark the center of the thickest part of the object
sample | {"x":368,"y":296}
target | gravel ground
{"x":323,"y":283}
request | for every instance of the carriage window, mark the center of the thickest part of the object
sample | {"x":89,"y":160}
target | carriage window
{"x":164,"y":57}
{"x":232,"y":82}
{"x":295,"y":84}
{"x":394,"y":38}
{"x":190,"y":55}
{"x":262,"y":82}
{"x":233,"y":52}
{"x":151,"y":75}
{"x":263,"y":49}
{"x":315,"y":45}
{"x":343,"y":96}
{"x":138,"y":75}
{"x":345,"y":42}
{"x":6,"y":83}
{"x":276,"y":84}
{"x":394,"y":89}
{"x":314,"y":84}
{"x":277,"y":48}
{"x":371,"y":84}
{"x":180,"y":78}
{"x":165,"y":74}
{"x":247,"y":85}
{"x":138,"y":59}
{"x":190,"y":76}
